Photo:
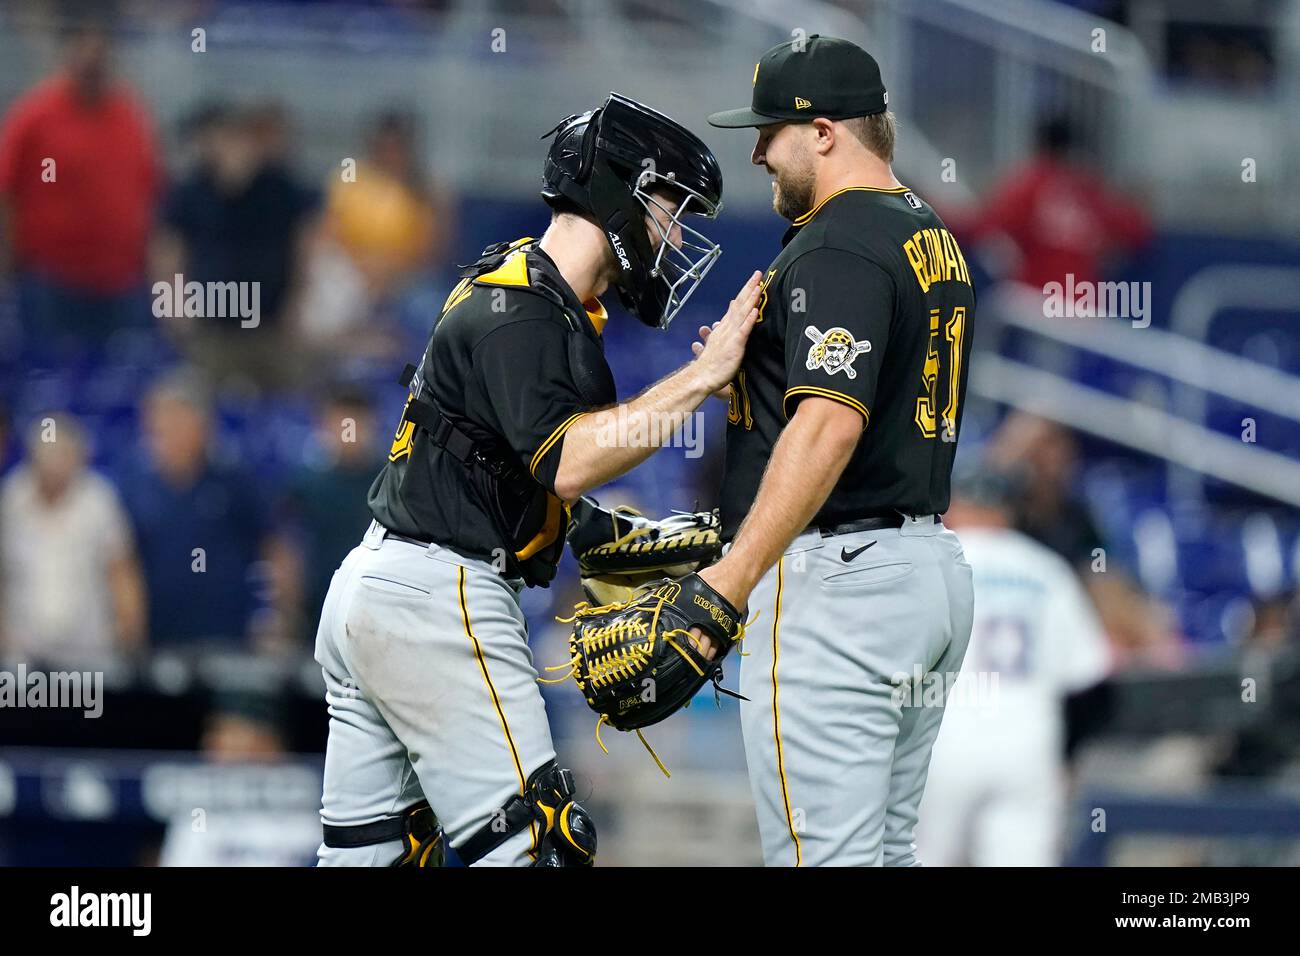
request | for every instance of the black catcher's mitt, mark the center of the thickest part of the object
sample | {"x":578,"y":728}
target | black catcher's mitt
{"x":636,"y":662}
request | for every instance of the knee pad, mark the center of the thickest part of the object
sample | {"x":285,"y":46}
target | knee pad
{"x":566,"y":832}
{"x":568,"y":835}
{"x":422,"y":838}
{"x":423,"y":844}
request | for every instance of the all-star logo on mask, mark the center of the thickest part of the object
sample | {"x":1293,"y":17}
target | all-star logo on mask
{"x":618,"y":248}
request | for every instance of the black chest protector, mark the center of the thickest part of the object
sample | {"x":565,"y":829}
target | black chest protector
{"x":529,"y":519}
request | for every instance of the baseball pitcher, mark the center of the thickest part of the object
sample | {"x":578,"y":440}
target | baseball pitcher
{"x":843,"y":423}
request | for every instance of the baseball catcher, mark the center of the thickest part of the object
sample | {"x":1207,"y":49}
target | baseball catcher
{"x":433,"y":696}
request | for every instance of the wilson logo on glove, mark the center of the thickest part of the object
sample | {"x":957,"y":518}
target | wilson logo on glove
{"x":637,"y":663}
{"x":715,"y":612}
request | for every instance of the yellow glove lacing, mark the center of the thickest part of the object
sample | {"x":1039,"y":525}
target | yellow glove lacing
{"x":625,"y":661}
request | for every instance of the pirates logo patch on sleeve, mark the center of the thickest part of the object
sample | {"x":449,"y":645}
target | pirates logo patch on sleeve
{"x":834,"y":350}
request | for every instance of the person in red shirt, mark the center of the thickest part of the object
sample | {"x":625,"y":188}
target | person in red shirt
{"x":79,"y":180}
{"x":1061,"y":217}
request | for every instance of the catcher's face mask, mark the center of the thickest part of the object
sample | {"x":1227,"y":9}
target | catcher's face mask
{"x":613,"y":163}
{"x":682,"y":255}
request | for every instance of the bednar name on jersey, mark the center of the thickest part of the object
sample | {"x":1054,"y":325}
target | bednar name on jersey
{"x":514,"y":361}
{"x":869,"y":304}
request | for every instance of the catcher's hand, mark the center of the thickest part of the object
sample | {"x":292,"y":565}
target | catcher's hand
{"x":620,"y":551}
{"x":636,"y":662}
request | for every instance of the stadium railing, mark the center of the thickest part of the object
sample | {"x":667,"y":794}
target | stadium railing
{"x":1177,"y":435}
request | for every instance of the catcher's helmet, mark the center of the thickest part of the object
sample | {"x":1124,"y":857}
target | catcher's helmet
{"x":608,"y":162}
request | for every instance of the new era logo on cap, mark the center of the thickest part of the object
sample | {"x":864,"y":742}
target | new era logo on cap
{"x":842,"y":79}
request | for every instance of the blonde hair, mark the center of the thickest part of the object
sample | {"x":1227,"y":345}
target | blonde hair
{"x":875,"y":132}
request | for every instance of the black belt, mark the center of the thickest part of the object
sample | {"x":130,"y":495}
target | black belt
{"x":409,"y":540}
{"x":419,"y":542}
{"x":894,"y":520}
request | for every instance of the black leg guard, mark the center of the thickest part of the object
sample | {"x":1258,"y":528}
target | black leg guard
{"x":416,"y":826}
{"x":567,"y":833}
{"x":423,"y":837}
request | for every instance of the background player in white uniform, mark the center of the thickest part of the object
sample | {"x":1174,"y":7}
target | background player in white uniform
{"x":996,"y":791}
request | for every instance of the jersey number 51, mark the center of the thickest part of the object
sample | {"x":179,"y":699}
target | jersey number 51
{"x":953,"y":331}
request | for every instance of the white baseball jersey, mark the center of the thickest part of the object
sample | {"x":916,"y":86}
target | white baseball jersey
{"x":1036,"y":638}
{"x":994,"y":794}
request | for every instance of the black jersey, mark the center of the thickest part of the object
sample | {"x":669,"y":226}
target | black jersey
{"x":514,"y":369}
{"x":868,"y":304}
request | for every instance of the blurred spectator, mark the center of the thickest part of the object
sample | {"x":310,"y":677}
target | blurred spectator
{"x":995,"y":795}
{"x":392,"y":219}
{"x":1143,"y":632}
{"x":1045,"y":457}
{"x":73,"y":595}
{"x":78,"y":184}
{"x":1276,"y":624}
{"x":327,"y":499}
{"x":1269,"y":744}
{"x":269,"y":123}
{"x":240,"y":217}
{"x":202,"y":528}
{"x":1061,"y":217}
{"x":243,"y":729}
{"x":384,"y":223}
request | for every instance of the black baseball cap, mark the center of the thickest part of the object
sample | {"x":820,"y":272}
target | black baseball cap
{"x":802,"y":79}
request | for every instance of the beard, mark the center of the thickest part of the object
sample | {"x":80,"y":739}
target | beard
{"x":793,"y":189}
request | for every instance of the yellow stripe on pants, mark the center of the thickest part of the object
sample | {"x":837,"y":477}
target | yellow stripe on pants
{"x":492,"y":691}
{"x":776,"y":714}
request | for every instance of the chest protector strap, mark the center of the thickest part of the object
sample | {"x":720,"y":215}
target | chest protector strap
{"x":526,"y":516}
{"x":528,"y":519}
